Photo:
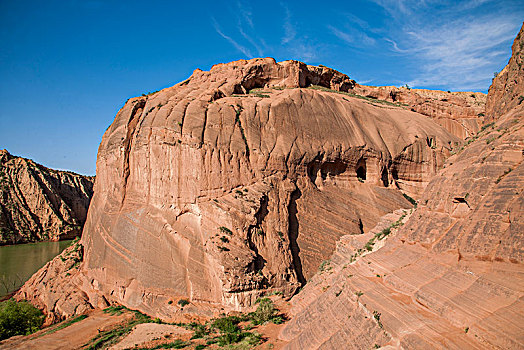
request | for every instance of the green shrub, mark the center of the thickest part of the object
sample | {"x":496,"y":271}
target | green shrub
{"x":183,"y":302}
{"x":224,"y":229}
{"x":227,"y":324}
{"x":411,"y":200}
{"x":19,"y":318}
{"x":200,"y":330}
{"x":265,"y":312}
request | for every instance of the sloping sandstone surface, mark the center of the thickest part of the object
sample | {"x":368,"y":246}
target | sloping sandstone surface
{"x":448,"y":275}
{"x":239,"y":181}
{"x":38,"y":203}
{"x":461,"y":113}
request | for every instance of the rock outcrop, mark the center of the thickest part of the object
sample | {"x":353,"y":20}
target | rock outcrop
{"x":461,"y":113}
{"x":240,"y":180}
{"x":450,"y":276}
{"x":38,"y":203}
{"x":507,"y":89}
{"x":60,"y":289}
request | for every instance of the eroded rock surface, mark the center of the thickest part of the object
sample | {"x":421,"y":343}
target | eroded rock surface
{"x":451,"y":277}
{"x":507,"y":89}
{"x":240,"y":181}
{"x":38,"y":203}
{"x":60,"y":289}
{"x":461,"y":113}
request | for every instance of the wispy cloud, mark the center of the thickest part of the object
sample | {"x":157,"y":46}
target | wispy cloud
{"x":239,"y":47}
{"x":341,"y":35}
{"x":246,"y":13}
{"x":289,"y":29}
{"x":352,"y":36}
{"x":450,"y":47}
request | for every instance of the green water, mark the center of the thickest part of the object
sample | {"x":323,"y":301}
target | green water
{"x":19,"y":262}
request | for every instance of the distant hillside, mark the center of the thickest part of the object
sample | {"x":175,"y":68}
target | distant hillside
{"x":38,"y":203}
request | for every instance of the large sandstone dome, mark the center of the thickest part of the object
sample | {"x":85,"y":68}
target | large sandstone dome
{"x":258,"y":176}
{"x":240,"y":180}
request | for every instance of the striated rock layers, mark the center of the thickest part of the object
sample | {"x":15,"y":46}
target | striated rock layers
{"x":507,"y":89}
{"x":452,"y":276}
{"x":38,"y":203}
{"x":458,"y":112}
{"x":240,"y":181}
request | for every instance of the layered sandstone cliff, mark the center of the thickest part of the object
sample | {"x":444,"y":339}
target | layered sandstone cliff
{"x":38,"y":203}
{"x":507,"y":89}
{"x":461,"y":113}
{"x":239,"y":181}
{"x":450,"y":275}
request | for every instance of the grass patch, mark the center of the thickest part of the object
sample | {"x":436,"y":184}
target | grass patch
{"x":66,"y":324}
{"x":107,"y":338}
{"x":378,"y":236}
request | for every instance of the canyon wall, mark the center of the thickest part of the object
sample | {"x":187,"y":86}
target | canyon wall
{"x":461,"y":113}
{"x":239,"y":181}
{"x":450,"y":275}
{"x":38,"y":203}
{"x":507,"y":88}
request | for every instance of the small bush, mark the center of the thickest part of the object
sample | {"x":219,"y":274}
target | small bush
{"x":227,"y":324}
{"x":19,"y":318}
{"x":183,"y":302}
{"x":411,"y":200}
{"x":265,"y":312}
{"x":225,"y":230}
{"x":325,"y":266}
{"x":200,"y":330}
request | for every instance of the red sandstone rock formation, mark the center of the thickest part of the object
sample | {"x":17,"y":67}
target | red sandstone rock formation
{"x":450,"y":277}
{"x":38,"y":203}
{"x":458,"y":112}
{"x":240,"y":181}
{"x":507,"y":89}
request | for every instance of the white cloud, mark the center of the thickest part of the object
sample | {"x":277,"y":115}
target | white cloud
{"x":451,"y":47}
{"x":289,"y":29}
{"x":352,"y":36}
{"x":239,"y":47}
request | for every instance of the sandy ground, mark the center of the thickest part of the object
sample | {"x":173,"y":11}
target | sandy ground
{"x":146,"y":332}
{"x":78,"y":334}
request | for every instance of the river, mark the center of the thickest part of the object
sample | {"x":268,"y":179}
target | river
{"x":19,"y":262}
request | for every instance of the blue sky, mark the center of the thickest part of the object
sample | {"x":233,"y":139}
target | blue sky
{"x":66,"y":67}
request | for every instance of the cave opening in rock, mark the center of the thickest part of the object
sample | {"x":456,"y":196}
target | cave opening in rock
{"x":361,"y":170}
{"x":394,"y":174}
{"x":385,"y":177}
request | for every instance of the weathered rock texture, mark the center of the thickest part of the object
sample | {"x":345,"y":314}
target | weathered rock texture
{"x":60,"y":289}
{"x":240,"y":181}
{"x":451,"y":277}
{"x":38,"y":203}
{"x":461,"y":113}
{"x":507,"y":89}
